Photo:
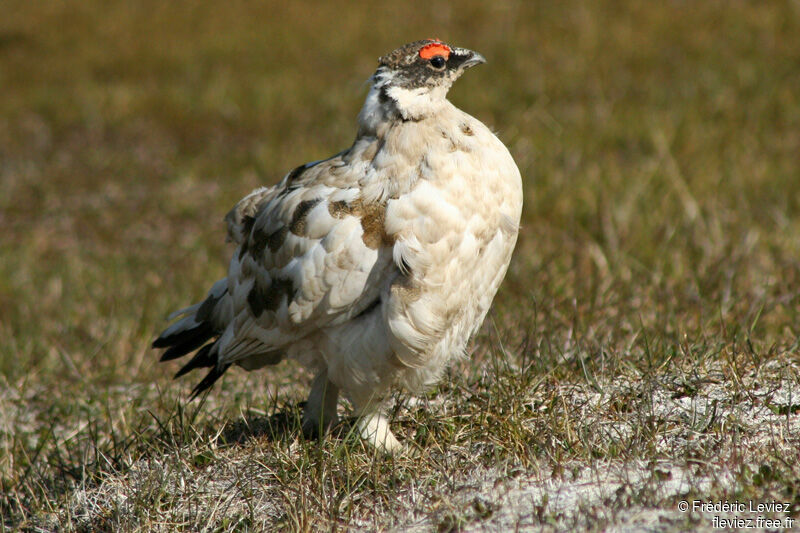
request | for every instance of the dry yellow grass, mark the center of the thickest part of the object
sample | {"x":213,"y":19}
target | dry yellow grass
{"x":643,"y":350}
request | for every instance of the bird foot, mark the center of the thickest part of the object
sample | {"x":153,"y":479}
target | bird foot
{"x":374,"y":429}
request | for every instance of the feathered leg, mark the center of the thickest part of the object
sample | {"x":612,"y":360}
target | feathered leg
{"x":374,"y":428}
{"x":320,"y":412}
{"x":373,"y":424}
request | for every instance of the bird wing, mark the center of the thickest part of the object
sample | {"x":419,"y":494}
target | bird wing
{"x":312,"y":254}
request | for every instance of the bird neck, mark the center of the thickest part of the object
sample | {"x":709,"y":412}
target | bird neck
{"x":386,"y":103}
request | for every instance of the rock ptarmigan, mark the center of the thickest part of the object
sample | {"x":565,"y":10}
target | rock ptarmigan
{"x":374,"y":266}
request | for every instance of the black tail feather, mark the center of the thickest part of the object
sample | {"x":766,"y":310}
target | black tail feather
{"x":209,"y":380}
{"x":186,"y":342}
{"x":192,"y":333}
{"x":202,"y":359}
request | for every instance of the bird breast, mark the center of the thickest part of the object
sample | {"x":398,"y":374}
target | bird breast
{"x":454,"y":229}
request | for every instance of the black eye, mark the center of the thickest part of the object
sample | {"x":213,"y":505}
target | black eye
{"x":437,"y":62}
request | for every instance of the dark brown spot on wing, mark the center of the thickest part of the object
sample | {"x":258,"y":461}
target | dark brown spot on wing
{"x":372,"y":223}
{"x":298,"y":223}
{"x":341,"y":209}
{"x":466,"y":130}
{"x":296,"y":173}
{"x":247,"y":224}
{"x":372,"y":220}
{"x":247,"y":227}
{"x":257,"y":242}
{"x":260,"y":240}
{"x":276,"y":238}
{"x":263,"y":299}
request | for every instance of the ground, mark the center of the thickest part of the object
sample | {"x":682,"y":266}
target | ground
{"x":641,"y":354}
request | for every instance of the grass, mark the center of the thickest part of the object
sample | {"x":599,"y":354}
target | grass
{"x":643,"y":349}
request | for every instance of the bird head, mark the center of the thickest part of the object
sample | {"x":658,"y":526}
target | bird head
{"x":415,"y":78}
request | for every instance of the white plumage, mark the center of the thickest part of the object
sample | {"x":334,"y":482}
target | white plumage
{"x":374,"y":266}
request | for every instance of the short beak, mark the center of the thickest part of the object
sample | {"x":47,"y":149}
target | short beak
{"x":464,"y":58}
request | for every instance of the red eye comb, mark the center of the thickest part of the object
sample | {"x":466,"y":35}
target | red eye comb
{"x":435,"y":49}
